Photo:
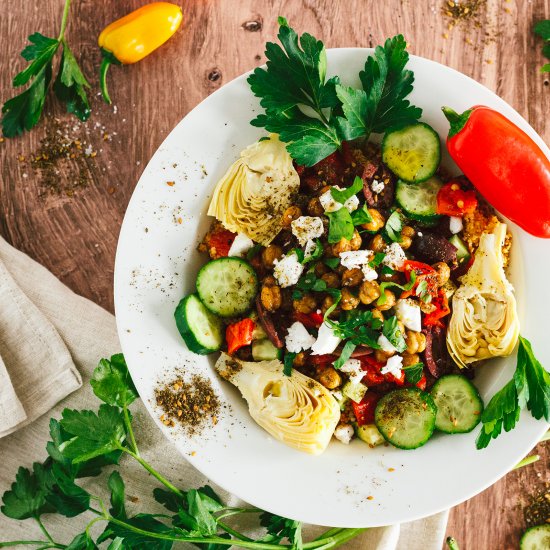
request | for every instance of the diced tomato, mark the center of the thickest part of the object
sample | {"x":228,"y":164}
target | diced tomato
{"x":364,"y":410}
{"x":442,"y":309}
{"x":309,"y":320}
{"x":452,"y":200}
{"x":239,"y":334}
{"x":421,"y":383}
{"x":399,"y":381}
{"x":419,"y":268}
{"x":372,"y":371}
{"x":218,"y":242}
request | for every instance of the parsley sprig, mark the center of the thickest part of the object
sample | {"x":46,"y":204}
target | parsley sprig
{"x":85,"y":443}
{"x":23,"y":111}
{"x":542,"y":28}
{"x":529,"y":388}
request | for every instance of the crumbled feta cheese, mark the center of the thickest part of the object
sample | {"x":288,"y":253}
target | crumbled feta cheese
{"x":369,"y":274}
{"x":408,"y":312}
{"x":309,"y":249}
{"x":344,"y":433}
{"x":455,"y":225}
{"x":298,"y":338}
{"x":338,"y":395}
{"x":307,"y":228}
{"x":352,"y":367}
{"x":355,"y":258}
{"x":393,"y":366}
{"x":287,"y":270}
{"x":326,"y":341}
{"x":329,"y":204}
{"x":385,"y":344}
{"x":240,"y":246}
{"x":377,"y":186}
{"x":352,"y":203}
{"x":395,"y":256}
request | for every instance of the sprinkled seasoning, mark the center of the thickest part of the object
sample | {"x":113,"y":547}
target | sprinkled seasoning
{"x":193,"y":405}
{"x":538,"y":512}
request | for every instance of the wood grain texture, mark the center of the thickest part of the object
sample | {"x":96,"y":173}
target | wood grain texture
{"x":76,"y":236}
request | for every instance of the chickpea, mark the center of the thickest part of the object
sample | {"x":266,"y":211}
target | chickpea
{"x":270,"y":254}
{"x":382,"y":356}
{"x":443,"y":272}
{"x":330,"y":378}
{"x":378,"y":244}
{"x":390,"y":300}
{"x":306,"y":304}
{"x":377,"y":314}
{"x":410,"y":359}
{"x":331,"y":279}
{"x":408,"y":231}
{"x":427,"y":307}
{"x":352,"y":277}
{"x":315,"y":208}
{"x":368,"y":292}
{"x":327,"y":303}
{"x":290,"y":214}
{"x":321,"y":269}
{"x":356,"y":240}
{"x":377,"y":222}
{"x":416,"y":342}
{"x":300,"y":359}
{"x":269,"y":281}
{"x":349,"y":301}
{"x":271,"y":297}
{"x":343,"y":245}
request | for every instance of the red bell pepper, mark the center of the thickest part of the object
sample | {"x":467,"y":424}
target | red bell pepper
{"x":372,"y":371}
{"x":239,"y":334}
{"x":399,"y":381}
{"x":309,"y":320}
{"x":219,"y":241}
{"x":364,"y":410}
{"x":442,"y":309}
{"x":452,"y":200}
{"x":423,"y":272}
{"x":422,"y":383}
{"x":505,"y":165}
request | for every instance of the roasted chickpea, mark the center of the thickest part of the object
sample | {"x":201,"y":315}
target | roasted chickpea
{"x":269,"y":281}
{"x":416,"y":342}
{"x":343,"y":245}
{"x":330,"y":378}
{"x":290,"y":214}
{"x":349,"y":301}
{"x":378,"y":244}
{"x":352,"y":277}
{"x":443,"y":272}
{"x":314,"y":207}
{"x":405,"y":242}
{"x":427,"y":307}
{"x":300,"y":359}
{"x":410,"y":359}
{"x":390,"y":300}
{"x":377,"y":222}
{"x":377,"y":314}
{"x":408,"y":231}
{"x":368,"y":292}
{"x":270,"y":297}
{"x":306,"y":304}
{"x":327,"y":303}
{"x":331,"y":279}
{"x":270,"y":254}
{"x":321,"y":269}
{"x":356,"y":240}
{"x":382,"y":356}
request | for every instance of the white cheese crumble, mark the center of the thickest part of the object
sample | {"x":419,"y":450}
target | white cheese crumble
{"x":240,"y":246}
{"x":385,"y":344}
{"x":309,"y":249}
{"x":288,"y":270}
{"x":395,"y":256}
{"x":352,"y":367}
{"x":355,"y":258}
{"x":329,"y":204}
{"x":326,"y":341}
{"x":377,"y":186}
{"x":408,"y":312}
{"x":298,"y":338}
{"x":344,"y":433}
{"x":369,"y":274}
{"x":307,"y":228}
{"x":455,"y":225}
{"x":393,"y":366}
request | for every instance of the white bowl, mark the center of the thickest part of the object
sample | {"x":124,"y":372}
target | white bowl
{"x":156,"y":265}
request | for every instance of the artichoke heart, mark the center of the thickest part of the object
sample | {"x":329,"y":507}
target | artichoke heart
{"x":484,"y":323}
{"x":294,"y":409}
{"x":256,"y":190}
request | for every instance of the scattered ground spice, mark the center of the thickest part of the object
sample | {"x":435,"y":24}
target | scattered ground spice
{"x":469,"y":16}
{"x":538,"y":512}
{"x":193,"y":405}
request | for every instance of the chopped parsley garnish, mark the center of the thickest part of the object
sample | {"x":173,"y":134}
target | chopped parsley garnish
{"x":347,"y":350}
{"x":377,"y":260}
{"x":361,"y":216}
{"x":393,"y":333}
{"x":345,"y":194}
{"x":333,"y":263}
{"x":359,"y":327}
{"x":288,"y":362}
{"x":414,"y":373}
{"x":391,"y":284}
{"x":340,"y":225}
{"x":393,"y":227}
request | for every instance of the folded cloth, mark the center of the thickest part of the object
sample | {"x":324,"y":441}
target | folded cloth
{"x":89,"y":333}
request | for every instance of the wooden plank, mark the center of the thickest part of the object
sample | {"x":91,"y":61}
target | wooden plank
{"x":76,"y":236}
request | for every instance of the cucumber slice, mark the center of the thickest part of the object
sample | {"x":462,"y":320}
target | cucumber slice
{"x":369,"y":434}
{"x":463,"y":254}
{"x":536,"y":538}
{"x":458,"y":403}
{"x":406,"y":417}
{"x":264,"y":350}
{"x":412,"y":152}
{"x":200,"y":329}
{"x":419,"y":201}
{"x":227,"y":286}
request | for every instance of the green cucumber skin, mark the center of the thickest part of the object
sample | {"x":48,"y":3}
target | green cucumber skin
{"x":536,"y":538}
{"x":186,"y":331}
{"x":381,"y":421}
{"x":426,"y":214}
{"x":475,"y":420}
{"x":462,"y":250}
{"x":264,"y":350}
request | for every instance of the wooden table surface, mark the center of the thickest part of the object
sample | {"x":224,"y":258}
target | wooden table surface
{"x":73,"y":230}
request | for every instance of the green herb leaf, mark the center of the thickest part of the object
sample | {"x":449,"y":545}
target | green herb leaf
{"x":253,"y":251}
{"x":414,"y":373}
{"x":116,"y":485}
{"x":112,"y":383}
{"x":542,"y":28}
{"x":391,"y":284}
{"x":333,"y":263}
{"x":116,"y":544}
{"x":355,"y":105}
{"x":201,"y":506}
{"x":70,"y":85}
{"x":288,"y":362}
{"x":393,"y":227}
{"x":137,"y":541}
{"x":340,"y":225}
{"x":377,"y":260}
{"x":347,"y":350}
{"x":361,"y":216}
{"x":393,"y":333}
{"x":357,"y":326}
{"x":344,"y":195}
{"x":82,"y":542}
{"x":316,"y":253}
{"x":65,"y":496}
{"x":94,"y":435}
{"x":168,"y":499}
{"x":279,"y":528}
{"x":39,"y":52}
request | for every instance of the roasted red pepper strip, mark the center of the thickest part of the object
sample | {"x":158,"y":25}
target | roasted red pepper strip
{"x":504,"y":164}
{"x":364,"y":410}
{"x":239,"y":334}
{"x":442,"y":309}
{"x":422,"y":383}
{"x":452,"y":200}
{"x":372,"y":371}
{"x":309,"y":320}
{"x":218,"y":242}
{"x":399,"y":381}
{"x":423,"y":272}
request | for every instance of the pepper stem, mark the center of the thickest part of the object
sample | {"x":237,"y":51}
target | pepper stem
{"x":105,"y":64}
{"x":457,"y":121}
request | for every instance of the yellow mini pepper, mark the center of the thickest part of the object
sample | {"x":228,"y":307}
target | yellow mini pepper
{"x":136,"y":35}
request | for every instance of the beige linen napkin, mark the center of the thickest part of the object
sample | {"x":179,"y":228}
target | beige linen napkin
{"x":89,"y":333}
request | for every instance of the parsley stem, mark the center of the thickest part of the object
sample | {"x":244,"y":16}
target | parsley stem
{"x":545,"y":437}
{"x":43,"y":529}
{"x":335,"y":540}
{"x":9,"y":543}
{"x":329,"y":533}
{"x":129,"y":429}
{"x":526,"y":461}
{"x":233,"y":532}
{"x":64,"y":19}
